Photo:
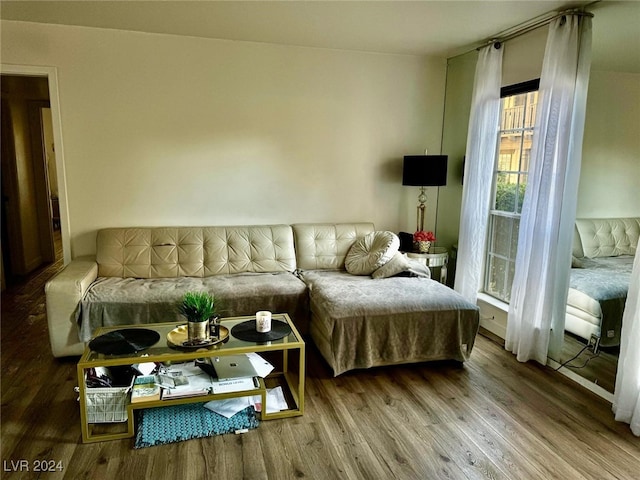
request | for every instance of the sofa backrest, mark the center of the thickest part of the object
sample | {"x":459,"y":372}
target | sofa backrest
{"x":324,"y":246}
{"x":160,"y":252}
{"x":605,"y":237}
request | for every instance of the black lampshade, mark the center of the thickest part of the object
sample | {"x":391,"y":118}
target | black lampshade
{"x":424,"y":170}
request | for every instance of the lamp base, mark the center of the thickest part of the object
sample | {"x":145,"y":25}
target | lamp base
{"x":422,"y":198}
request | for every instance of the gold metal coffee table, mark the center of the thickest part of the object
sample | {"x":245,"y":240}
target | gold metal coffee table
{"x":286,"y":354}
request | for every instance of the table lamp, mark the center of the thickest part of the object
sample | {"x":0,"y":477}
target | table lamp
{"x":424,"y":171}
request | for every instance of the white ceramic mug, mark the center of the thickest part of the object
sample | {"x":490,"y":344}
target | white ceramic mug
{"x":263,"y":321}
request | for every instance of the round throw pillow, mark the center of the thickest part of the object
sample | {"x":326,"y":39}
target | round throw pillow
{"x":371,"y":252}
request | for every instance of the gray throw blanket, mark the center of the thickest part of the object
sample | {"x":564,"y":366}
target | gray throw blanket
{"x":606,"y":280}
{"x":359,"y":322}
{"x":113,"y":301}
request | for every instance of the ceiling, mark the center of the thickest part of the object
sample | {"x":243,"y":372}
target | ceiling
{"x":441,"y":28}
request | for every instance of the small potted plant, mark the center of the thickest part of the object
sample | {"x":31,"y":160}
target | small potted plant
{"x":422,"y":241}
{"x":198,"y":308}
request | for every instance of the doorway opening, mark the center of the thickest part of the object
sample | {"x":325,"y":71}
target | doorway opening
{"x":31,"y":226}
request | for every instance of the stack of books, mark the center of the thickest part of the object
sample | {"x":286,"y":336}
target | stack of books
{"x":145,"y":389}
{"x":223,"y":374}
{"x":186,"y":380}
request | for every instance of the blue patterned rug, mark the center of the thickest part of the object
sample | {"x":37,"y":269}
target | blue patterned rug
{"x":158,"y":426}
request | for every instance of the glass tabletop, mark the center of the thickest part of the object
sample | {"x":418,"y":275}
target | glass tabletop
{"x":167,"y":353}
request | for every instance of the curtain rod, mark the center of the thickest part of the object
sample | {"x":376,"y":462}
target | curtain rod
{"x":531,"y":25}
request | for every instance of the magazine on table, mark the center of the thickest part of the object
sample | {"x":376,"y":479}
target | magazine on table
{"x":185,"y":380}
{"x":201,"y":377}
{"x":228,"y":407}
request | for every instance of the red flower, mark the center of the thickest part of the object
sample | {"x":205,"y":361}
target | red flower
{"x":422,"y":236}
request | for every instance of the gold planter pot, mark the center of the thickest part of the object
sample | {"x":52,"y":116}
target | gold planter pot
{"x":422,"y":246}
{"x":198,"y":331}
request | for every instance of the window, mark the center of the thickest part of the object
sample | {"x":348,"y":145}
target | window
{"x":518,"y":113}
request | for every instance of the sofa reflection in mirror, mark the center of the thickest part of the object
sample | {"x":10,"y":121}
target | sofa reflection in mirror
{"x":603,"y":253}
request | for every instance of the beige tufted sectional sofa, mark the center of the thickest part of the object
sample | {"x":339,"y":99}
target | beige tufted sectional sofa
{"x":139,"y":274}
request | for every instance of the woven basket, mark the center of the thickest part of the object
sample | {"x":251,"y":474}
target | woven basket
{"x":107,"y":405}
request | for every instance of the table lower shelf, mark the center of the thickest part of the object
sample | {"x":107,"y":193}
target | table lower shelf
{"x":100,"y":432}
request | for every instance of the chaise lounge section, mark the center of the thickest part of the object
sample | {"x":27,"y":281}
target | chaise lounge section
{"x":360,"y":322}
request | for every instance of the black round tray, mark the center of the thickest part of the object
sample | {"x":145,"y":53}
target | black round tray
{"x":126,"y":340}
{"x":247,"y":331}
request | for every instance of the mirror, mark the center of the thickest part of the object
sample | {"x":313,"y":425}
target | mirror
{"x":609,"y":185}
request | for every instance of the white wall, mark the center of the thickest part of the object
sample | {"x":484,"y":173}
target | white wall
{"x":169,"y":130}
{"x":610,"y":175}
{"x":523,"y":56}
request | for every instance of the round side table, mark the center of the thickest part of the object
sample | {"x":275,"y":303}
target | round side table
{"x":437,"y":257}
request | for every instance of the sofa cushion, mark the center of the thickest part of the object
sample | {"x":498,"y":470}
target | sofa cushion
{"x":576,"y":262}
{"x":417,"y":268}
{"x":324,"y":246}
{"x":398,"y":264}
{"x":371,"y":252}
{"x":607,"y":237}
{"x":115,"y":301}
{"x":171,"y":252}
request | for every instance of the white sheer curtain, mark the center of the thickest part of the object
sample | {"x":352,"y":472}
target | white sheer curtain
{"x":478,"y":171}
{"x":626,"y":397}
{"x":541,"y":278}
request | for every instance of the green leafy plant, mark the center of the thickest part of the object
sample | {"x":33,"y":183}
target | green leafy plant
{"x":197,"y":306}
{"x":509,"y":197}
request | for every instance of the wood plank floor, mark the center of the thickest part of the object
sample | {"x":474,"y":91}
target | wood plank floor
{"x":599,"y":368}
{"x":491,"y":418}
